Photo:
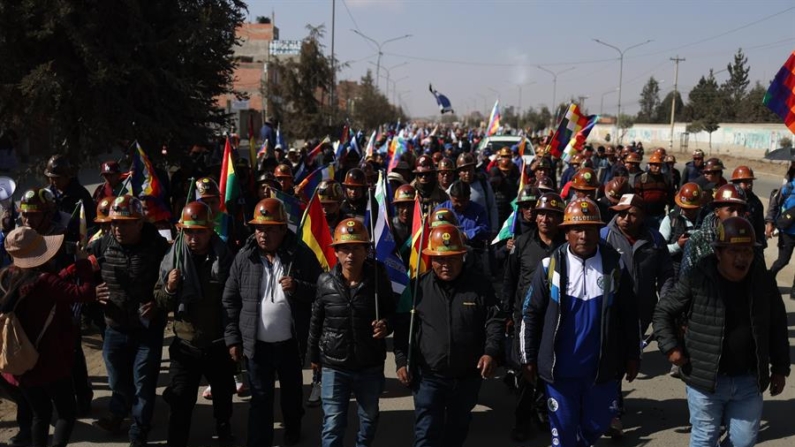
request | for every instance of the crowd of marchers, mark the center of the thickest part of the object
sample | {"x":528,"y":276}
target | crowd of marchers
{"x":605,"y":254}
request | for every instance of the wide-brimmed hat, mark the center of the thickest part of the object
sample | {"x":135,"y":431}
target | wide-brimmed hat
{"x":29,"y":249}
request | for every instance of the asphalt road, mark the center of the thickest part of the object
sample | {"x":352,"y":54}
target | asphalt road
{"x":656,"y":406}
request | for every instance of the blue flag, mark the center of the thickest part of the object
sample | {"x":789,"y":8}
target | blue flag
{"x":385,"y":246}
{"x":441,"y":101}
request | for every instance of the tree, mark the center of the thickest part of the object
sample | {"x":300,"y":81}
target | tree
{"x":627,"y":121}
{"x":704,"y":104}
{"x":649,"y":101}
{"x":372,"y":107}
{"x":735,"y":88}
{"x":752,"y":110}
{"x":96,"y":72}
{"x":300,"y":97}
{"x":663,"y":111}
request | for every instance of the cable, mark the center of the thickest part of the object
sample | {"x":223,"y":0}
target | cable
{"x":355,"y":25}
{"x":707,"y":39}
{"x":594,"y":61}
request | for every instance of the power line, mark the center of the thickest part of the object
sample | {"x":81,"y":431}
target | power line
{"x":596,"y":61}
{"x":725,"y":33}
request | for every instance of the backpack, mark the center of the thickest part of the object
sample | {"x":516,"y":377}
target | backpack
{"x":17,"y":354}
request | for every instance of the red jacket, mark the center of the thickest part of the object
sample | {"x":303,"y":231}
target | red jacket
{"x":56,"y":349}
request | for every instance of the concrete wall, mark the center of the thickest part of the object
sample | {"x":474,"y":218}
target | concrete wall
{"x":745,"y":140}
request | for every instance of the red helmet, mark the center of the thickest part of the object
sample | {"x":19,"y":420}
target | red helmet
{"x":585,"y":180}
{"x":445,"y":240}
{"x":735,"y":232}
{"x":126,"y":208}
{"x":350,"y":231}
{"x":283,"y":170}
{"x":355,"y":177}
{"x":728,"y":194}
{"x":103,"y":210}
{"x":404,"y":194}
{"x":582,"y":212}
{"x":743,"y":173}
{"x":689,"y":196}
{"x":269,"y":212}
{"x":425,"y":164}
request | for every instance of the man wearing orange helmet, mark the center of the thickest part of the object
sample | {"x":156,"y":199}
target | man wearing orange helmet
{"x":528,"y":250}
{"x":579,"y":330}
{"x":504,"y":179}
{"x":129,"y":258}
{"x":743,"y":176}
{"x":736,"y":343}
{"x":355,"y":186}
{"x":191,"y":288}
{"x":654,"y":188}
{"x":404,"y":215}
{"x":729,"y":201}
{"x":458,"y":339}
{"x":267,"y":304}
{"x":426,"y":184}
{"x":681,"y":222}
{"x":351,"y":317}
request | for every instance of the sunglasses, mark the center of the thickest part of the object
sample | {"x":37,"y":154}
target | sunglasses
{"x":424,"y":174}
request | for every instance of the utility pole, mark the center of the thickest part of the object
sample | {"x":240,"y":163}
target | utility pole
{"x":676,"y":60}
{"x":333,"y":65}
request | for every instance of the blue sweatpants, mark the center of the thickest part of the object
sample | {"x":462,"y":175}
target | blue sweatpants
{"x":580,"y":411}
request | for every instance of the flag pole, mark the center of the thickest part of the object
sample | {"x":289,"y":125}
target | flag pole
{"x":300,"y":226}
{"x":372,"y":246}
{"x":178,"y":242}
{"x":414,"y":295}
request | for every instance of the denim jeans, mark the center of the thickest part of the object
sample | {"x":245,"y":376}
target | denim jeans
{"x":736,"y":402}
{"x":133,"y":362}
{"x":443,"y":410}
{"x":337,"y":385}
{"x":270,"y":360}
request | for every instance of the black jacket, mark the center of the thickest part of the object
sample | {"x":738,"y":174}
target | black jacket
{"x":648,"y":262}
{"x":130,"y":273}
{"x":458,"y":322}
{"x":242,"y":293}
{"x":341,"y":331}
{"x":697,"y":294}
{"x":528,"y":251}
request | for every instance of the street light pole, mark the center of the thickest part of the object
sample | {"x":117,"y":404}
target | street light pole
{"x":380,"y":53}
{"x":620,"y":77}
{"x":554,"y":106}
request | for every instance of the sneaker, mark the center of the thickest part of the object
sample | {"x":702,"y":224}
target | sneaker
{"x":20,"y":440}
{"x":138,"y":443}
{"x":208,"y":393}
{"x":314,"y":395}
{"x":240,"y":385}
{"x":225,"y":436}
{"x":616,"y":430}
{"x":111,"y":424}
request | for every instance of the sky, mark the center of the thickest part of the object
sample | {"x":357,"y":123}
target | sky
{"x":476,"y":52}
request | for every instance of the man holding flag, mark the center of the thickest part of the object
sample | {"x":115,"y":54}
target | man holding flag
{"x":351,"y":317}
{"x":191,"y":282}
{"x":270,"y":282}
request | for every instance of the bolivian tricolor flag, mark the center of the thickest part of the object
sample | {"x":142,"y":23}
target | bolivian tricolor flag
{"x":314,"y":232}
{"x":420,"y":230}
